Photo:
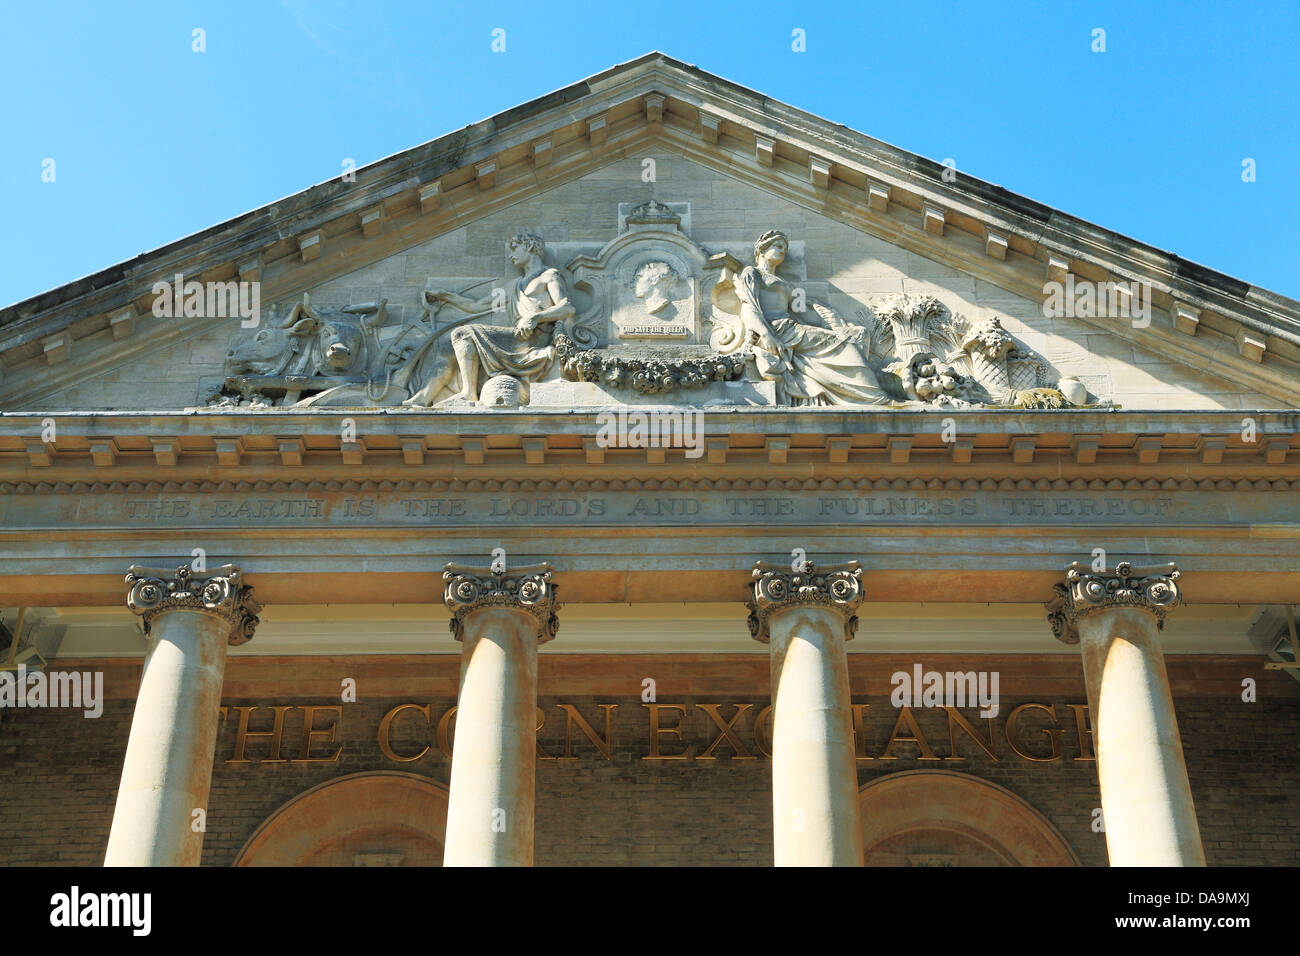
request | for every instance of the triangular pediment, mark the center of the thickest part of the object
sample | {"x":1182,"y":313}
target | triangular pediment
{"x":649,"y":185}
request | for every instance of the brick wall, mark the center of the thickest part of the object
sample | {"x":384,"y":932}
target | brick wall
{"x":59,"y":771}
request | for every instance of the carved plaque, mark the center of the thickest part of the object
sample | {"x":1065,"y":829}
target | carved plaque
{"x":647,"y":279}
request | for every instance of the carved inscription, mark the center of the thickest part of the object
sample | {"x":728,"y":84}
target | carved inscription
{"x":636,"y":508}
{"x":723,"y":508}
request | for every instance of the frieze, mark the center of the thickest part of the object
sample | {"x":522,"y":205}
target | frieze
{"x":626,"y":506}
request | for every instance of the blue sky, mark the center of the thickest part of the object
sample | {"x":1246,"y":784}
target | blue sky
{"x":152,"y":141}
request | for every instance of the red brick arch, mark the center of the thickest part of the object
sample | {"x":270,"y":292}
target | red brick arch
{"x":383,"y":818}
{"x":943,"y":818}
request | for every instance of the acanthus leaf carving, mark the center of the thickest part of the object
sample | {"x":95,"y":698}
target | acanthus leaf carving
{"x":775,"y":587}
{"x":220,"y":592}
{"x":529,"y":589}
{"x":1087,"y":591}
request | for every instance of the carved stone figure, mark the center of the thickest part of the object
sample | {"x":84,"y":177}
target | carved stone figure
{"x":625,"y":321}
{"x":267,"y":350}
{"x":655,"y":284}
{"x":311,"y":352}
{"x":535,"y":301}
{"x":811,"y":365}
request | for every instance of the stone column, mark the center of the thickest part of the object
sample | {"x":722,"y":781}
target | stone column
{"x":1116,"y":618}
{"x":806,"y":616}
{"x":189,"y":618}
{"x":500,"y":618}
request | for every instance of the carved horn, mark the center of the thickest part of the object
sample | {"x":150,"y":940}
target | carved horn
{"x":294,"y":315}
{"x":377,"y":311}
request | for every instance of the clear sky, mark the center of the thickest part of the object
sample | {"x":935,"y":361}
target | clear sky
{"x":152,"y":141}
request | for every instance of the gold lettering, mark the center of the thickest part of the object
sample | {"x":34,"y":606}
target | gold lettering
{"x":727,"y":731}
{"x":860,"y":738}
{"x":727,"y":735}
{"x":444,"y":732}
{"x":276,"y":733}
{"x":656,"y":730}
{"x":309,"y":731}
{"x":571,"y":717}
{"x":955,"y":720}
{"x":541,"y":722}
{"x":764,"y":748}
{"x":385,"y":746}
{"x":905,"y":717}
{"x":1082,"y":730}
{"x":1053,"y":733}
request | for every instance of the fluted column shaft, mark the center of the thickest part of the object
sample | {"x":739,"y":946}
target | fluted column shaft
{"x":500,"y":619}
{"x":806,"y":617}
{"x":189,"y":618}
{"x":1146,"y":799}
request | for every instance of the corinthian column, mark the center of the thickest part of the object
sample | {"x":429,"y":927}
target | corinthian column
{"x":806,"y":616}
{"x":500,"y":618}
{"x":189,"y":618}
{"x":1116,"y":618}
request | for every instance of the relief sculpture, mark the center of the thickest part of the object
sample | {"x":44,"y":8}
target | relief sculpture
{"x":812,"y":363}
{"x":649,"y":316}
{"x":535,"y":301}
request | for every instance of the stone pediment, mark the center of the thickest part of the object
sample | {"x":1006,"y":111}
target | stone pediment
{"x":895,"y":287}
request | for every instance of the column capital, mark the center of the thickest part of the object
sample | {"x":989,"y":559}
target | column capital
{"x":528,"y":589}
{"x":776,"y":587}
{"x":1086,"y":591}
{"x":220,"y":592}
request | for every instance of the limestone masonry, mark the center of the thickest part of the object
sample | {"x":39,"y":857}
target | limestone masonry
{"x":657,"y":474}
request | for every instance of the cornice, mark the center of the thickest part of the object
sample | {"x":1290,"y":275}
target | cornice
{"x":732,"y":444}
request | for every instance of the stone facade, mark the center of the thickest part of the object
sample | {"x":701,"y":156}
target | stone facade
{"x":664,"y":346}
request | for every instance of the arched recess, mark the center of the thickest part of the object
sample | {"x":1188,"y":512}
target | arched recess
{"x":943,"y":818}
{"x":379,"y":818}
